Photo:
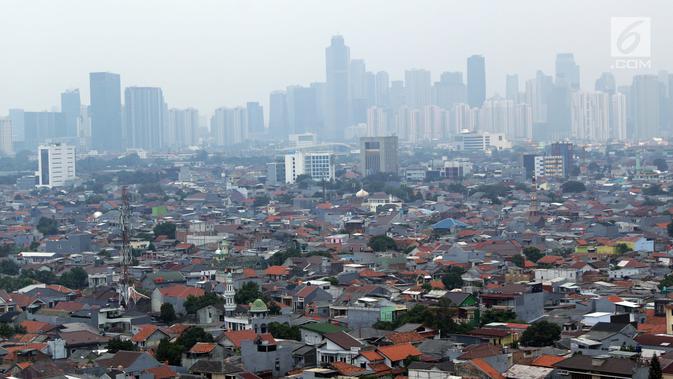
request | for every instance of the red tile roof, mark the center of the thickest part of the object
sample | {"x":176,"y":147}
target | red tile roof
{"x":346,"y":369}
{"x":276,"y":271}
{"x":181,"y":291}
{"x":547,"y":360}
{"x":162,"y":372}
{"x":405,"y":337}
{"x":202,"y":348}
{"x":371,"y":355}
{"x":37,"y":326}
{"x":486,"y":368}
{"x":399,"y":352}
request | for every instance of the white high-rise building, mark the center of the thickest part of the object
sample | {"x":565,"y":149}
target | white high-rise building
{"x":590,"y":116}
{"x":435,"y":122}
{"x":377,"y":122}
{"x":229,"y":126}
{"x":6,"y":136}
{"x":319,"y":166}
{"x":182,"y":130}
{"x":464,"y":118}
{"x":56,"y":164}
{"x":523,"y":122}
{"x":497,"y":116}
{"x":618,"y":117}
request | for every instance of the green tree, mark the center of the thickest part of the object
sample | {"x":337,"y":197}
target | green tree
{"x":194,"y":303}
{"x":452,"y":279}
{"x":573,"y":186}
{"x":284,"y":331}
{"x":9,"y":267}
{"x":76,"y":278}
{"x":667,"y":282}
{"x":47,"y":226}
{"x":261,"y":201}
{"x":169,"y":352}
{"x":655,"y":368}
{"x":518,"y":260}
{"x":622,"y":248}
{"x":165,"y":229}
{"x":193,"y":335}
{"x":116,"y":344}
{"x":8,"y":330}
{"x":167,"y":314}
{"x":541,"y":333}
{"x":248,"y":293}
{"x":669,"y":229}
{"x":532,"y":253}
{"x":661,"y":164}
{"x":382,"y":243}
{"x":493,"y":315}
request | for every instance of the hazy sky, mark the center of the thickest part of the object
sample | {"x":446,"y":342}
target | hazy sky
{"x":208,"y":54}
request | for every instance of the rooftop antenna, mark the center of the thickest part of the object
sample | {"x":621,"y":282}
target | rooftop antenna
{"x":125,"y":225}
{"x":533,"y":211}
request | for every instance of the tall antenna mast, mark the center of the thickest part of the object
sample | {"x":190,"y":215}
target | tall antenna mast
{"x":125,"y":225}
{"x":533,"y":211}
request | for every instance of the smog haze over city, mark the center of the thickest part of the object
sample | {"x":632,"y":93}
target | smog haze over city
{"x":336,"y":189}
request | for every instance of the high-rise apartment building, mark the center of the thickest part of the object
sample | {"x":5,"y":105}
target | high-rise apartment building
{"x":70,"y":107}
{"x":567,"y":71}
{"x":6,"y":147}
{"x":56,"y":164}
{"x":146,"y":118}
{"x":229,"y":126}
{"x":255,"y":117}
{"x":182,"y":129}
{"x":319,"y":166}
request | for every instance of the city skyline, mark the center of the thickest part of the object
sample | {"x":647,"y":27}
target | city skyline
{"x":207,"y":81}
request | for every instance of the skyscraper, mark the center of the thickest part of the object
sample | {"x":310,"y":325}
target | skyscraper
{"x":337,"y":59}
{"x":182,"y":129}
{"x":255,"y":117}
{"x":278,"y":115}
{"x":146,"y":117}
{"x":606,"y":83}
{"x":567,"y":71}
{"x":618,"y":117}
{"x":18,"y":125}
{"x":646,"y":94}
{"x":301,"y":109}
{"x":449,"y":90}
{"x":70,"y":106}
{"x":417,"y":88}
{"x":41,"y":127}
{"x":512,"y":87}
{"x":382,"y":95}
{"x":590,"y":116}
{"x":6,"y":136}
{"x":106,"y":111}
{"x":379,"y":154}
{"x":229,"y":126}
{"x":476,"y":81}
{"x":56,"y":164}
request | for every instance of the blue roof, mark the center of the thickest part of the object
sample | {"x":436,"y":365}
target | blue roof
{"x":449,"y":223}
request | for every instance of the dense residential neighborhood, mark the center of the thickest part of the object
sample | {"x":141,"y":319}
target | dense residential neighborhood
{"x":232,"y":275}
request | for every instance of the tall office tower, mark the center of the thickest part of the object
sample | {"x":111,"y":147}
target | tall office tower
{"x":56,"y":164}
{"x":6,"y":136}
{"x":606,"y":83}
{"x":370,"y":88}
{"x":278,"y":115}
{"x":417,"y":88}
{"x":512,"y":87}
{"x":379,"y":155}
{"x":145,"y":113}
{"x":377,"y":122}
{"x":618,"y":121}
{"x":523,"y":122}
{"x":301,"y":109}
{"x":320,"y":92}
{"x":464,"y":118}
{"x":106,"y":111}
{"x":18,"y":125}
{"x":436,"y":121}
{"x":537,"y":95}
{"x":529,"y":166}
{"x":590,"y":116}
{"x":496,"y":115}
{"x":558,"y":116}
{"x":382,"y":96}
{"x":40,"y":127}
{"x":476,"y":81}
{"x":567,"y":152}
{"x":357,"y":77}
{"x":397,"y":94}
{"x":182,"y":129}
{"x":70,"y":106}
{"x":646,"y":93}
{"x":319,"y":166}
{"x":567,"y":71}
{"x":229,"y":126}
{"x":449,"y":90}
{"x":255,"y":117}
{"x":337,"y":59}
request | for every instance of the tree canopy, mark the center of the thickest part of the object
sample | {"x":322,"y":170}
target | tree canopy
{"x":573,"y":186}
{"x":116,"y":344}
{"x":167,"y":314}
{"x":165,"y":229}
{"x":541,"y":333}
{"x":382,"y":243}
{"x":47,"y":226}
{"x":194,"y":303}
{"x":532,"y":253}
